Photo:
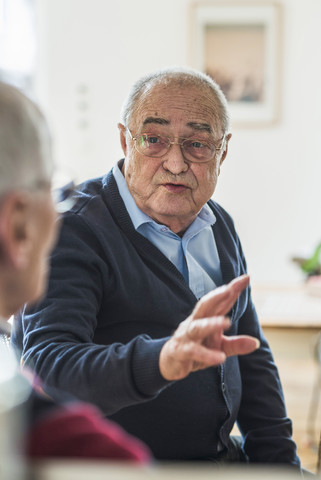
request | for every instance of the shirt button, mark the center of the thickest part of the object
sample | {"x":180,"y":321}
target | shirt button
{"x":164,"y":229}
{"x":223,"y":387}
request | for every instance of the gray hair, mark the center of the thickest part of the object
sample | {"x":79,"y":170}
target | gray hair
{"x":25,"y":157}
{"x":185,"y":77}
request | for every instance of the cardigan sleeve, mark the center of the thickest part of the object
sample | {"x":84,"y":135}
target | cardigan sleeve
{"x":58,"y":332}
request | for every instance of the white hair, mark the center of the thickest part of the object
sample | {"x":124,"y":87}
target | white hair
{"x":25,"y":153}
{"x":184,"y":77}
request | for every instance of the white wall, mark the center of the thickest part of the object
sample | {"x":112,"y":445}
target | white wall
{"x":91,"y":51}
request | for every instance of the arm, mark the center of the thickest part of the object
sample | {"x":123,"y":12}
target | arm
{"x":59,"y":331}
{"x":85,"y":297}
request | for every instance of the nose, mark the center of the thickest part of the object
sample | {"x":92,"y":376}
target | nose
{"x":175,"y":161}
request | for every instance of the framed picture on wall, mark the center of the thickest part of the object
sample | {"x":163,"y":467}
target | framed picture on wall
{"x":239,"y":44}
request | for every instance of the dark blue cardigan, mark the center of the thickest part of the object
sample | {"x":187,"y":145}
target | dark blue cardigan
{"x":113,"y":301}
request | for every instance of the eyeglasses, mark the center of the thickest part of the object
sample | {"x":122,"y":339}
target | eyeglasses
{"x":193,"y":149}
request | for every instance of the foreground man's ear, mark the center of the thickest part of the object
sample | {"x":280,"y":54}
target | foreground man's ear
{"x":14,"y":230}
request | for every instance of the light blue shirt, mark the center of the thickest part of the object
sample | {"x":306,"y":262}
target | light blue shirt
{"x":194,"y":255}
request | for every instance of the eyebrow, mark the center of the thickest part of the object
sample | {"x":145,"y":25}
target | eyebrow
{"x":205,"y":127}
{"x":158,"y":120}
{"x":200,"y":126}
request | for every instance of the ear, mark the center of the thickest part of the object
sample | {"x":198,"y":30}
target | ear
{"x":14,"y":230}
{"x":227,"y":139}
{"x":123,"y":142}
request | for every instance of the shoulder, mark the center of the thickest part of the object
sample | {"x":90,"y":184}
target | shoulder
{"x":92,"y":203}
{"x":88,"y":191}
{"x":93,"y":224}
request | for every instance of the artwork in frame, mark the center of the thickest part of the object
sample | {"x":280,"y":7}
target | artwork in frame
{"x":238,"y":44}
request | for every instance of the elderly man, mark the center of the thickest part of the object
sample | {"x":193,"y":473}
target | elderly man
{"x":136,"y":252}
{"x":28,"y":230}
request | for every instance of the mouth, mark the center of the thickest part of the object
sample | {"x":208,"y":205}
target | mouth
{"x":175,"y":187}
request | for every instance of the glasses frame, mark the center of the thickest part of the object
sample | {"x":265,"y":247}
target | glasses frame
{"x":181,"y":144}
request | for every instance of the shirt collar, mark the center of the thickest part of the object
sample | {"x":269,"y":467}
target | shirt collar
{"x":138,"y":217}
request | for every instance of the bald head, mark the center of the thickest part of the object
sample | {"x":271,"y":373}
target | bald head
{"x":25,"y":159}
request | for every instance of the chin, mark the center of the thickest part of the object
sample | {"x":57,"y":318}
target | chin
{"x":174,"y":209}
{"x":177,"y":213}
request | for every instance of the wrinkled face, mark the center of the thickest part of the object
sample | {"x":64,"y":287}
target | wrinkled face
{"x":171,"y":189}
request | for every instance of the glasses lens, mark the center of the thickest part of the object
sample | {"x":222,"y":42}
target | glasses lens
{"x":152,"y":145}
{"x":198,"y":151}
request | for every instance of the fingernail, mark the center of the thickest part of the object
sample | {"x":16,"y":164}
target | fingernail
{"x":258,"y":343}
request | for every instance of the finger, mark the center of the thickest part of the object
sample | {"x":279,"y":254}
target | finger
{"x":213,"y":303}
{"x":236,"y":286}
{"x":203,"y":357}
{"x":240,"y":283}
{"x":214,"y":341}
{"x":221,"y":300}
{"x":207,"y":327}
{"x":239,"y":345}
{"x":176,"y":361}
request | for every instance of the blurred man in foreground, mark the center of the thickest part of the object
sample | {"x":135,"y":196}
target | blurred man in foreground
{"x":28,"y":231}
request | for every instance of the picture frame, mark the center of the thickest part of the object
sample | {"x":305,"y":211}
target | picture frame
{"x":239,"y":45}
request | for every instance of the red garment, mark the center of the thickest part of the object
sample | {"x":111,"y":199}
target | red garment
{"x":78,"y":430}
